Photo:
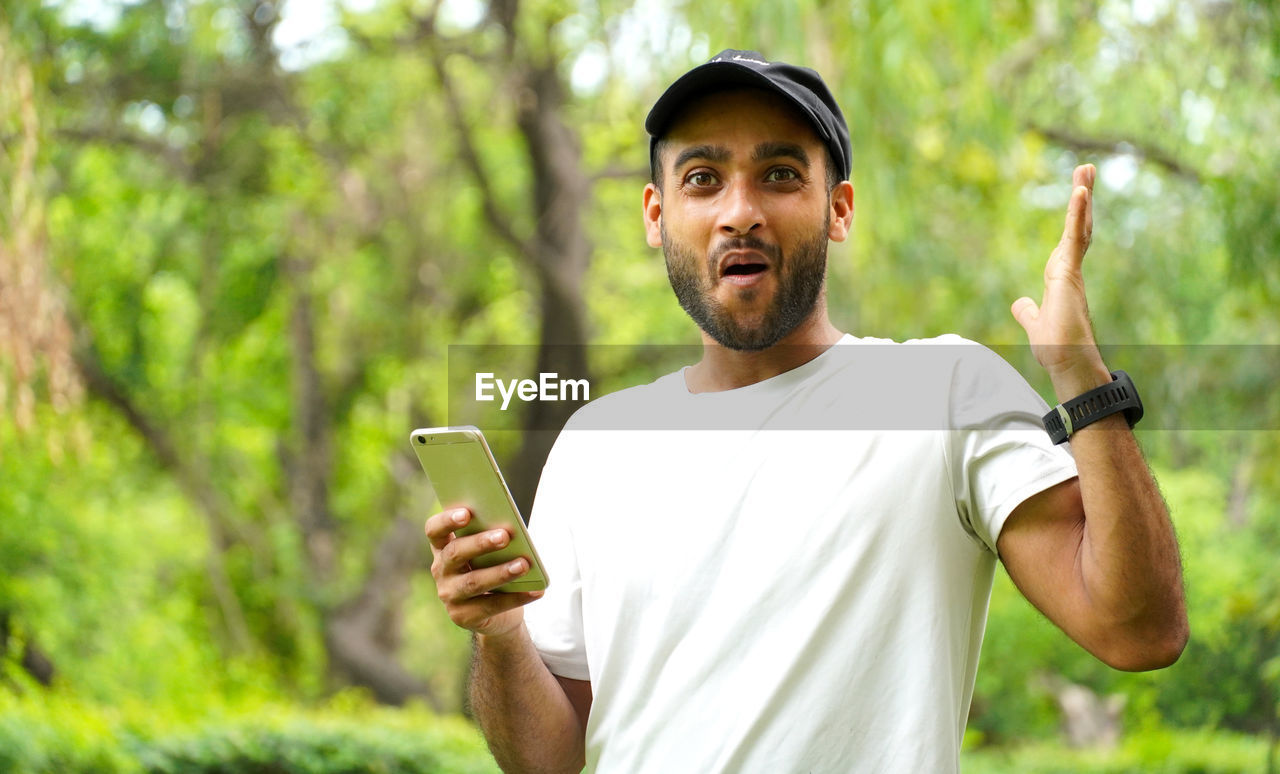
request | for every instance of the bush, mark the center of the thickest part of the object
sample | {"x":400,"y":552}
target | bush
{"x":349,"y":736}
{"x":58,"y":735}
{"x":1149,"y":752}
{"x":307,"y":747}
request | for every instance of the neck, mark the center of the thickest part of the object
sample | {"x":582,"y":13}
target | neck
{"x":727,"y":369}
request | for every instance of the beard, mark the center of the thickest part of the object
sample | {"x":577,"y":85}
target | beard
{"x":800,"y":275}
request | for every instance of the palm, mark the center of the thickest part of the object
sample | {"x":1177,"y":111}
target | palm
{"x":1059,"y":329}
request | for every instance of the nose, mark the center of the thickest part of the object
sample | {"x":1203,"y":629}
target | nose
{"x":740,"y":211}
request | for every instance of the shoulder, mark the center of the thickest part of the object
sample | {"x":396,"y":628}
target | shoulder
{"x":940,"y":363}
{"x":972,"y":367}
{"x":940,"y":382}
{"x":945,"y":346}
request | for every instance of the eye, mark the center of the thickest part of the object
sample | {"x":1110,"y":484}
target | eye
{"x":701,"y":179}
{"x":782,"y":175}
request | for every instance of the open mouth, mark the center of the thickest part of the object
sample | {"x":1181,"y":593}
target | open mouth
{"x":744,"y":269}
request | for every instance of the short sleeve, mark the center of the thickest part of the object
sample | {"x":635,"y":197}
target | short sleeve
{"x":555,"y":621}
{"x":999,"y":453}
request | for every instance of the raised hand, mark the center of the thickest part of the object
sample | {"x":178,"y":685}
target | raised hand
{"x":1059,"y":329}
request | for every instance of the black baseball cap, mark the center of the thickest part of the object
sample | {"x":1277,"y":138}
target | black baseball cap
{"x":800,"y":86}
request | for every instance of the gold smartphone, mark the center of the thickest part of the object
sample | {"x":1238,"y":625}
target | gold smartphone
{"x":463,"y":473}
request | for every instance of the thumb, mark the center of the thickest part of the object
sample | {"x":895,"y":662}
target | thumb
{"x":1025,"y":312}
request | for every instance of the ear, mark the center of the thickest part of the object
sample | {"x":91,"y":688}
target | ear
{"x":653,"y":215}
{"x":841,"y":212}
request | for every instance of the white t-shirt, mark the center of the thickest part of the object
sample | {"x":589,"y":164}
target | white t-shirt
{"x":792,"y":576}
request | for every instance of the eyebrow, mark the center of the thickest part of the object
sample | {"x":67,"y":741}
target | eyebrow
{"x":719,"y":154}
{"x":714,"y":153}
{"x":773,"y":150}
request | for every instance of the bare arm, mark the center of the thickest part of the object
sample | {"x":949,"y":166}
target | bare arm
{"x":1097,"y":555}
{"x":529,"y":716}
{"x":532,"y":720}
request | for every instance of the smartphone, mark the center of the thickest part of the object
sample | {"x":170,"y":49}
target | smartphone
{"x":463,"y":473}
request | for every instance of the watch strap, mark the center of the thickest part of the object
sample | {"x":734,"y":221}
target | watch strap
{"x":1068,"y":417}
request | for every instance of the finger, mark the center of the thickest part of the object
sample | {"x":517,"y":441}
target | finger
{"x":1084,"y":175}
{"x":475,"y":583}
{"x":1075,"y":235}
{"x":1025,"y":312}
{"x":1088,"y":218}
{"x":440,"y":526}
{"x":462,"y":551}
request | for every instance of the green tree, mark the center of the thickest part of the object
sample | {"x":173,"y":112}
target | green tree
{"x":253,"y":271}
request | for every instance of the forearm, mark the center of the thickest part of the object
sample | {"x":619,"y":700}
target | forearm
{"x":1128,"y":562}
{"x":1099,"y":557}
{"x":526,"y":717}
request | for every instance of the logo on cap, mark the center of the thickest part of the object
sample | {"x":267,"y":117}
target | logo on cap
{"x":740,"y":58}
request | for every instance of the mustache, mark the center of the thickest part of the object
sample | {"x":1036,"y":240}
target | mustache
{"x":744,"y":242}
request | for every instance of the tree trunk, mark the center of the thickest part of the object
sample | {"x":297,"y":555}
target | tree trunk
{"x":33,"y":660}
{"x":363,"y":636}
{"x":558,"y":253}
{"x":190,"y":478}
{"x":310,"y":461}
{"x":1088,"y":720}
{"x":560,"y":256}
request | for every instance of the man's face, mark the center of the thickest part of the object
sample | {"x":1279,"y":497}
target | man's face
{"x":743,"y":217}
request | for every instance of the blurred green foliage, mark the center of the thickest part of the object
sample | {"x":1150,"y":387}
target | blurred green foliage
{"x":1148,"y":752}
{"x":235,"y":243}
{"x":346,"y":736}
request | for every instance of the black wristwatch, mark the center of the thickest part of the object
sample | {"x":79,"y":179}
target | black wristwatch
{"x":1082,"y":410}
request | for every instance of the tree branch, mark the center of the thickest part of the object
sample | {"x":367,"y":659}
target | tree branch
{"x":112,"y":136}
{"x":422,"y":32}
{"x":493,"y":212}
{"x":199,"y":489}
{"x":313,"y":465}
{"x":1117,"y":147}
{"x":364,"y":633}
{"x":1018,"y":59}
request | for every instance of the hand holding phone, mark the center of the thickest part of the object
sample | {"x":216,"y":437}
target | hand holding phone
{"x":479,"y":541}
{"x":469,"y":595}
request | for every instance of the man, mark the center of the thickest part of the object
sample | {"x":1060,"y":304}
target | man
{"x":779,"y":559}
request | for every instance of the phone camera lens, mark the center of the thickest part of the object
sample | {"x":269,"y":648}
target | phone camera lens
{"x":422,"y":440}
